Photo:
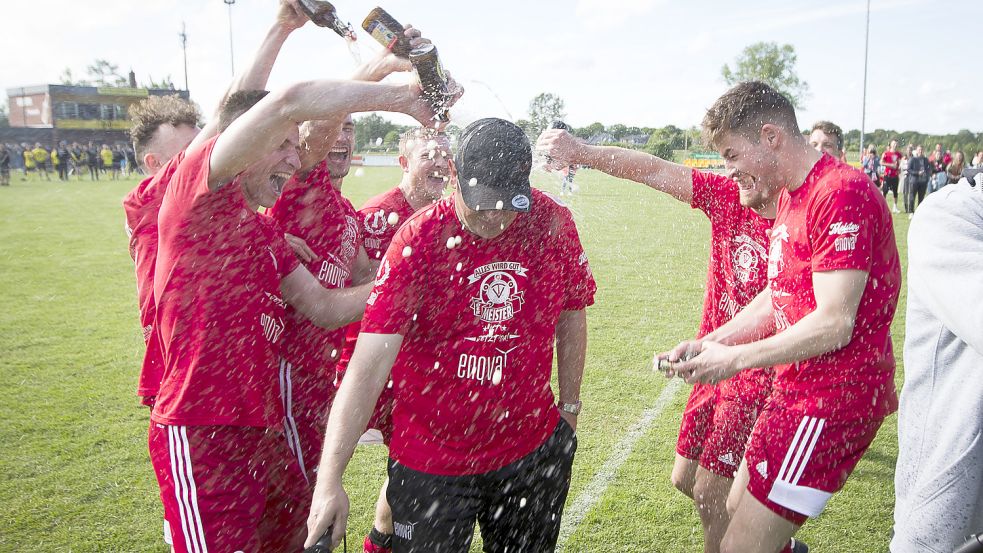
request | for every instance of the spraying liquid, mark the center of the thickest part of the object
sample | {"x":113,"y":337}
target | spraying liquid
{"x":354,"y":50}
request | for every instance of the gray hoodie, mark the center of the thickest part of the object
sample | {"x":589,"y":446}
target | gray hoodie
{"x":939,"y":475}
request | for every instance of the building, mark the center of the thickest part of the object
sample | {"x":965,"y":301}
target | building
{"x":51,"y":113}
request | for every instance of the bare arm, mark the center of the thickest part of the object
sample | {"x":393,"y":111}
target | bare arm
{"x":364,"y":380}
{"x":269,"y":123}
{"x":327,"y":308}
{"x":571,"y":353}
{"x":289,"y":18}
{"x":365,"y":268}
{"x":672,"y":178}
{"x":829,"y":327}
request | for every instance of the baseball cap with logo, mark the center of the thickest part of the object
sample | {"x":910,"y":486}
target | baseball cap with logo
{"x":493,"y":162}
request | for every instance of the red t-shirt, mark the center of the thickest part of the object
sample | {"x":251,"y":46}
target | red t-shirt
{"x":378,"y":233}
{"x":141,"y":206}
{"x":314,"y":211}
{"x":890,"y":161}
{"x":836,"y":220}
{"x":479,"y":322}
{"x":219,"y":309}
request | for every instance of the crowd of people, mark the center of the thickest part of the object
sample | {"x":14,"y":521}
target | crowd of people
{"x":275,"y":339}
{"x":68,"y":160}
{"x":917,"y":174}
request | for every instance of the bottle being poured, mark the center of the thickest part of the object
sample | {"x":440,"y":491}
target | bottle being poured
{"x":323,"y":14}
{"x":391,"y":34}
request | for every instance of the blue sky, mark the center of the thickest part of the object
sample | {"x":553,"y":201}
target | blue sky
{"x":637,"y":62}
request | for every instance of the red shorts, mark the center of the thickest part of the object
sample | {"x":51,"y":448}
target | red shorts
{"x":718,"y":420}
{"x":225,"y":488}
{"x":797,"y":462}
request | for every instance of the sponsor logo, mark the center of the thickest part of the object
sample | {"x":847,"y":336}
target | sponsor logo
{"x":728,"y":459}
{"x":277,"y":300}
{"x":846,"y":243}
{"x":779,"y":303}
{"x":520,"y":202}
{"x":333,"y":275}
{"x":272,"y":327}
{"x":762,"y":469}
{"x":483,"y":368}
{"x":375,"y":222}
{"x":746,"y":257}
{"x":843,"y":228}
{"x":728,"y":305}
{"x":403,"y":530}
{"x":373,"y":243}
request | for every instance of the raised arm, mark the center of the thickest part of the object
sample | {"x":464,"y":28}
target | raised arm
{"x":289,"y":18}
{"x":268,"y":124}
{"x":364,"y":380}
{"x":665,"y":176}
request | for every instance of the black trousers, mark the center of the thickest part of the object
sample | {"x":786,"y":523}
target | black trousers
{"x":517,"y":507}
{"x":918,"y":188}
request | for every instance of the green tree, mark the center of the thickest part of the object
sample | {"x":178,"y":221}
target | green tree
{"x":772,"y":64}
{"x":392,"y":139}
{"x":544,"y":109}
{"x":590,"y":130}
{"x":104,"y":73}
{"x":370,"y":128}
{"x":66,"y":78}
{"x":165,"y":83}
{"x":618,"y":131}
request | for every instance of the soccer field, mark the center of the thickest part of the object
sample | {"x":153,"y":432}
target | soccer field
{"x":74,"y":469}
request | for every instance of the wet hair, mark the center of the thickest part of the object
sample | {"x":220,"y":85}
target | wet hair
{"x":149,"y":114}
{"x":418,"y":133}
{"x":830,"y":129}
{"x":744,"y":109}
{"x":236,"y":104}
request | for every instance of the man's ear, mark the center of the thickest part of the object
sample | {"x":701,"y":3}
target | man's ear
{"x":151,"y":163}
{"x":771,"y":135}
{"x":404,"y":163}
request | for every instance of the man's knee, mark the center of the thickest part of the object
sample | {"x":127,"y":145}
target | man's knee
{"x":683,"y":479}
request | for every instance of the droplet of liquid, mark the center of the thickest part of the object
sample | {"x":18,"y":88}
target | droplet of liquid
{"x":499,"y":204}
{"x":407,"y":251}
{"x":393,"y":218}
{"x":451,"y":243}
{"x":473,"y":182}
{"x":359,"y":172}
{"x":497,"y":377}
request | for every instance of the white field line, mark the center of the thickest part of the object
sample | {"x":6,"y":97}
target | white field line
{"x":574,"y":515}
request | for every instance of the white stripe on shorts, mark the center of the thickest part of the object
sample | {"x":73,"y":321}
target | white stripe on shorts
{"x":289,"y":423}
{"x":786,"y":490}
{"x":185,"y":489}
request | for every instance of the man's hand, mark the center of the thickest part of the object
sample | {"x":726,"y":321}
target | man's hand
{"x":290,"y":17}
{"x":329,"y":509}
{"x":714,"y":363}
{"x":385,"y":62}
{"x":420,"y":109}
{"x":560,"y":147}
{"x":300,"y":248}
{"x":668,"y":361}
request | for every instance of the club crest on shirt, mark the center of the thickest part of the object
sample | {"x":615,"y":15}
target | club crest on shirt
{"x":779,"y":235}
{"x":498,"y":298}
{"x":348,"y":238}
{"x":375,"y":222}
{"x":746,"y":258}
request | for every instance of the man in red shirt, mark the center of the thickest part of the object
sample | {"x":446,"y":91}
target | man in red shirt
{"x":467,"y":304}
{"x":823,"y":321}
{"x":223,"y":278}
{"x":425,"y":158}
{"x":163,"y":127}
{"x":718,"y":417}
{"x":891,"y":162}
{"x":827,"y":137}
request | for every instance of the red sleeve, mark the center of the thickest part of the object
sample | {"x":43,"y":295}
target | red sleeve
{"x":395,"y":297}
{"x":190,"y":180}
{"x":711,"y":191}
{"x":579,"y":285}
{"x":841,"y":229}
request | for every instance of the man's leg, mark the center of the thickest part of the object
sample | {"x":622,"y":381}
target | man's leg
{"x":431,"y":512}
{"x":684,"y":474}
{"x":710,"y":497}
{"x":525,"y":499}
{"x":756,"y":529}
{"x":381,"y":536}
{"x":694,"y":428}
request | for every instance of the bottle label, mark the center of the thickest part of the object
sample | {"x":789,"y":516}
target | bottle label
{"x":382,"y":34}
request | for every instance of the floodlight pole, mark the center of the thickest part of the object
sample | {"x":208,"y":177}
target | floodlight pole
{"x":863,"y":109}
{"x":184,"y":47}
{"x":232,"y":56}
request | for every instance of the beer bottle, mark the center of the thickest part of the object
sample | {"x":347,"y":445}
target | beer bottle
{"x":323,"y":14}
{"x":387,"y":31}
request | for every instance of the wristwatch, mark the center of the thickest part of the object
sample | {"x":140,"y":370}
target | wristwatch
{"x":571,"y":408}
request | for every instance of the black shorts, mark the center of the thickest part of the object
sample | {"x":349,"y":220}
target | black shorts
{"x":890,"y":184}
{"x":518,"y":507}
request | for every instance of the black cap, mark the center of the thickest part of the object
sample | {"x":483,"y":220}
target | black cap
{"x":493,"y":162}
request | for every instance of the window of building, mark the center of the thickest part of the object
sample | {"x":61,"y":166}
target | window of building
{"x":66,"y":110}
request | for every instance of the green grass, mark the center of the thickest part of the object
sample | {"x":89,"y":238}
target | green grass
{"x":74,"y":469}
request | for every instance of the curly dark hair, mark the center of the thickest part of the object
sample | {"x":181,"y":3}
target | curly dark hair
{"x":149,"y":114}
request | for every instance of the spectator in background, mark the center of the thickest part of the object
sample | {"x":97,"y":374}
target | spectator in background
{"x":4,"y":165}
{"x":131,"y":160}
{"x":77,"y":160}
{"x":16,"y":157}
{"x":891,"y":162}
{"x":978,"y":159}
{"x":106,"y":157}
{"x":919,"y":171}
{"x":41,"y":159}
{"x":939,"y":502}
{"x":118,"y":159}
{"x":871,"y":165}
{"x":955,"y":170}
{"x":64,"y":157}
{"x":905,"y":180}
{"x":29,"y":164}
{"x":827,"y":137}
{"x":92,"y":160}
{"x":54,"y":160}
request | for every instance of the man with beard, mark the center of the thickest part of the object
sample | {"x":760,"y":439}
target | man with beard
{"x":718,"y":417}
{"x":467,"y":304}
{"x":823,"y":321}
{"x":223,"y":277}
